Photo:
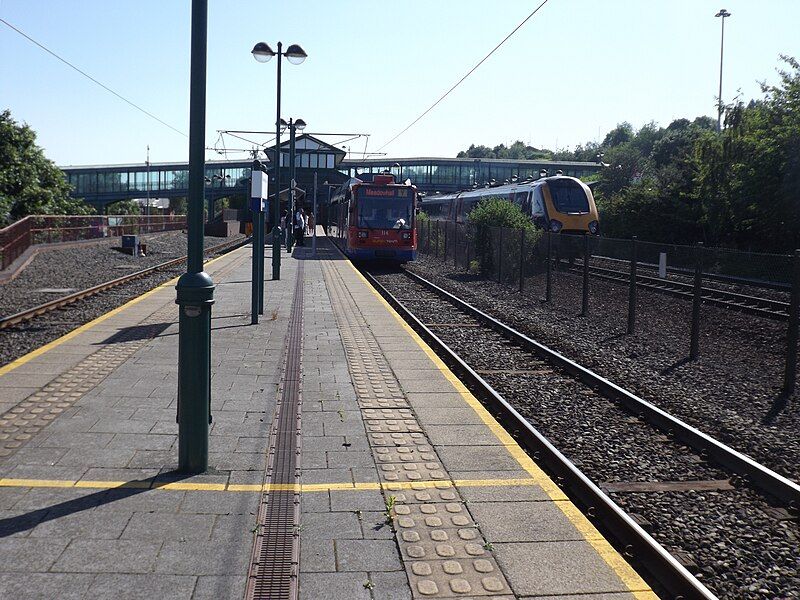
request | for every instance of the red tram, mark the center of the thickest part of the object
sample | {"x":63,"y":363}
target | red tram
{"x":373,"y":218}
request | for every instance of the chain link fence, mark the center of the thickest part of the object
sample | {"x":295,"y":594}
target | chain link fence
{"x":560,"y":269}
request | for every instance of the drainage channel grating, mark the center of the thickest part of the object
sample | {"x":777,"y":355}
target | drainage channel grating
{"x":276,"y":551}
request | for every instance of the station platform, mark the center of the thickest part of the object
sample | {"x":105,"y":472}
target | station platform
{"x":346,"y":460}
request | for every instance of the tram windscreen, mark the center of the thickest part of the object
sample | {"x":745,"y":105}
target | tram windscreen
{"x":385,"y":207}
{"x":568,"y":197}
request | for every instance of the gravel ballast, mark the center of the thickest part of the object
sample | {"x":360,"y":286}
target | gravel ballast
{"x":732,"y":392}
{"x":79,"y":267}
{"x":741,"y":550}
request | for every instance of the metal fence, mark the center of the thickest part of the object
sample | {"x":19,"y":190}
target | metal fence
{"x":534,"y":262}
{"x":49,"y":229}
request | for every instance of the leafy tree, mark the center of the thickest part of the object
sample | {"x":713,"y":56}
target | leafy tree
{"x":621,"y":134}
{"x":688,"y":182}
{"x":124,"y":207}
{"x":29,"y":182}
{"x":518,"y":150}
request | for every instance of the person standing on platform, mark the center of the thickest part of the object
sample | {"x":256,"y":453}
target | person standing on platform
{"x":299,"y":226}
{"x":311,"y":223}
{"x":284,"y":228}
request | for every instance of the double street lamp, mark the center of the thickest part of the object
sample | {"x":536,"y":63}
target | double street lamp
{"x":295,"y":55}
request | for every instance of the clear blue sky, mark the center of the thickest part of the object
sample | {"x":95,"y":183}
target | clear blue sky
{"x":570,"y":74}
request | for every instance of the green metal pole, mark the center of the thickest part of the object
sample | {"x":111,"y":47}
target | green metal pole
{"x":195,"y":290}
{"x":290,"y":233}
{"x":276,"y":209}
{"x":255,"y":266}
{"x":790,"y":371}
{"x":262,"y":217}
{"x":694,"y":347}
{"x":632,"y":288}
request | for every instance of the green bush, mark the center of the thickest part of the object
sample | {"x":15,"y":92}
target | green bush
{"x":492,"y":213}
{"x":495,"y":212}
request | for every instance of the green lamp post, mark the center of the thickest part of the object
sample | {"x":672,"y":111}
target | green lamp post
{"x":195,"y":289}
{"x":295,"y":55}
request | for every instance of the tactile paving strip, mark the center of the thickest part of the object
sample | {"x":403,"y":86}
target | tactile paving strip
{"x":442,"y":549}
{"x":21,"y":423}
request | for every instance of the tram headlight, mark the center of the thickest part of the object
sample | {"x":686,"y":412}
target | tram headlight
{"x":406,"y":235}
{"x":594,"y":227}
{"x":555,"y":226}
{"x":362,"y":235}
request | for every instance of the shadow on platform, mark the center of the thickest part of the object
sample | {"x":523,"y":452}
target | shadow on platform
{"x":136,"y":332}
{"x":29,"y":520}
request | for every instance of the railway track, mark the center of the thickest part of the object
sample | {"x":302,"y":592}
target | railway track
{"x":47,"y":307}
{"x":765,"y":307}
{"x":734,"y":280}
{"x":613,"y":440}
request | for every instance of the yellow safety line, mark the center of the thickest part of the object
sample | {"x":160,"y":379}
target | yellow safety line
{"x":149,"y":484}
{"x":618,"y":564}
{"x":85,"y":327}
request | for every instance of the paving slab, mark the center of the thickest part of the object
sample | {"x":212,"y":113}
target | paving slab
{"x":561,"y":568}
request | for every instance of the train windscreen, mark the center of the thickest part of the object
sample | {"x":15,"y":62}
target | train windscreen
{"x":568,"y":197}
{"x":385,"y":207}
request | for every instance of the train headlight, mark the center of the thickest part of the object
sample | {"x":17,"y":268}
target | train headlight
{"x":555,"y":226}
{"x":406,"y":235}
{"x":363,"y":235}
{"x":594,"y":227}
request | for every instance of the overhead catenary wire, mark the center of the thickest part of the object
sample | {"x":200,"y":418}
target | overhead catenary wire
{"x":470,"y":72}
{"x":89,"y":77}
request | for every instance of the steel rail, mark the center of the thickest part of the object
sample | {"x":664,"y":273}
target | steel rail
{"x":774,"y":309}
{"x":41,"y":309}
{"x":596,"y":505}
{"x":777,"y":306}
{"x":760,"y":476}
{"x":729,"y":279}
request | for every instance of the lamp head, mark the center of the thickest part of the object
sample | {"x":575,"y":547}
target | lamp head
{"x":295,"y":54}
{"x":299,"y":124}
{"x":722,"y":13}
{"x":283,"y":125}
{"x":262,"y":52}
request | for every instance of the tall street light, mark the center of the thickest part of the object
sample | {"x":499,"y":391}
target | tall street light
{"x":294,"y":126}
{"x":195,"y":290}
{"x":295,"y":55}
{"x":147,"y":162}
{"x":722,"y":13}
